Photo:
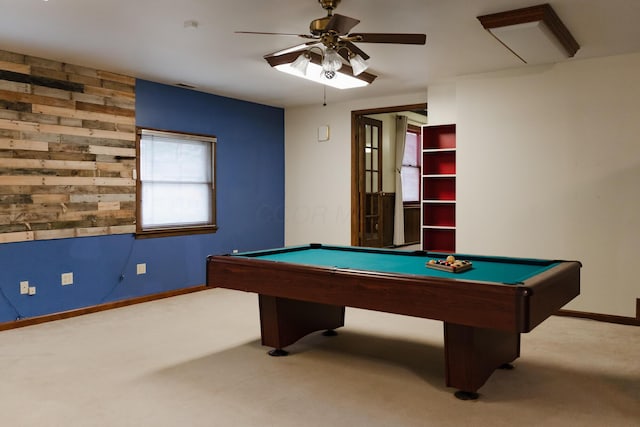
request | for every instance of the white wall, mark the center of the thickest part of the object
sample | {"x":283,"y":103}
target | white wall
{"x":318,"y":174}
{"x":442,"y":106}
{"x":549,"y":166}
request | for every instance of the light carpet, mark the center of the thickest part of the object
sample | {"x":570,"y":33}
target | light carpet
{"x":196,"y":360}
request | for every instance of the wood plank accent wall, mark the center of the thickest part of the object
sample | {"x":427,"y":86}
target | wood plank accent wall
{"x":67,"y":150}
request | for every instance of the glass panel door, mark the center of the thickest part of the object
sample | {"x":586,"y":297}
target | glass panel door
{"x":370,"y":132}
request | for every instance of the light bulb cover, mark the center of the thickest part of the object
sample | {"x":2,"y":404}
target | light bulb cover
{"x":358,"y":64}
{"x":331,"y":61}
{"x":301,"y":63}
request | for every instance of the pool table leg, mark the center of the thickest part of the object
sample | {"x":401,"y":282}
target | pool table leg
{"x":472,"y":354}
{"x":284,"y":321}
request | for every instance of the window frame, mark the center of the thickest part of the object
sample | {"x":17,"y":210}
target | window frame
{"x":418,"y":131}
{"x":175,"y":230}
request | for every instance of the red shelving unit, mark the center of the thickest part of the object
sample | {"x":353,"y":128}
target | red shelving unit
{"x":439,"y":188}
{"x":440,"y":215}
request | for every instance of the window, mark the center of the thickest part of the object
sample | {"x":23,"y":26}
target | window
{"x":176,"y":184}
{"x":411,"y":166}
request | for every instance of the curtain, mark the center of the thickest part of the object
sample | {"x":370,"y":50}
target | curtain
{"x":398,"y":223}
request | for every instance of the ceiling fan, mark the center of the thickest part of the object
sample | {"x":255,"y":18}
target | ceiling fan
{"x":330,"y":35}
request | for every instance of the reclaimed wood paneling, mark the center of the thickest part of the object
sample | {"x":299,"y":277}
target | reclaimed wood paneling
{"x":67,"y":150}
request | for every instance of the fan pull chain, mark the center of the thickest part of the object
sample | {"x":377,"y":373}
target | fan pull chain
{"x":324,"y":91}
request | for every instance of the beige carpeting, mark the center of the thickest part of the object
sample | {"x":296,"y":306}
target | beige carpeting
{"x":196,"y":360}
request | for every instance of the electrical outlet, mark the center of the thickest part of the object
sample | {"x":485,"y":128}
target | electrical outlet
{"x":32,"y":290}
{"x":24,"y":287}
{"x":66,"y":279}
{"x":141,"y":268}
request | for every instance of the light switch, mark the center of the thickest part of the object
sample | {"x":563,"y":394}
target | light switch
{"x":323,"y":133}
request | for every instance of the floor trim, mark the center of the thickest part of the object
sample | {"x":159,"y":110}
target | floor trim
{"x":608,"y":318}
{"x":96,"y":308}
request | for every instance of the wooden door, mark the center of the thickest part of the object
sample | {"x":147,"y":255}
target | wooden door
{"x":370,"y":191}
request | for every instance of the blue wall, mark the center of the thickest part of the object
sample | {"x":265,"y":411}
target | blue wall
{"x":250,"y":213}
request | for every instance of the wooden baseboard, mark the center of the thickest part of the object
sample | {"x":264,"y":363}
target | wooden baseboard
{"x":96,"y":308}
{"x":621,"y":320}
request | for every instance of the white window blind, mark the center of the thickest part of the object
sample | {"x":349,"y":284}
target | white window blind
{"x":176,"y":176}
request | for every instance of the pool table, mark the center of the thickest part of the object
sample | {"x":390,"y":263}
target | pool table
{"x":303,"y":289}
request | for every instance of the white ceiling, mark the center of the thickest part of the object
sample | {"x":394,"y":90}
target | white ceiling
{"x":147,"y":39}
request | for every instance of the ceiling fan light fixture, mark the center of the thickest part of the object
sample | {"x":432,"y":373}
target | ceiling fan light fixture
{"x":358,"y":64}
{"x":340,"y":63}
{"x":344,"y":78}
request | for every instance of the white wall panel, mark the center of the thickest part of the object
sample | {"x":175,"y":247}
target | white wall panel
{"x":549,"y":166}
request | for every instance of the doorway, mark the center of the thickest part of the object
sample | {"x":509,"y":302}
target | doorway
{"x":372,"y":214}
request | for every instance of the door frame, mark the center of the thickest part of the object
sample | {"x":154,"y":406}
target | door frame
{"x":357,"y":169}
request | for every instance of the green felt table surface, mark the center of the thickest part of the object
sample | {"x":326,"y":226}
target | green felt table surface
{"x":503,"y":270}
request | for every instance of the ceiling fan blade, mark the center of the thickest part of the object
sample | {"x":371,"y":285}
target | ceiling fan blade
{"x":355,"y":49}
{"x":398,"y":38}
{"x":304,"y":36}
{"x":341,"y":24}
